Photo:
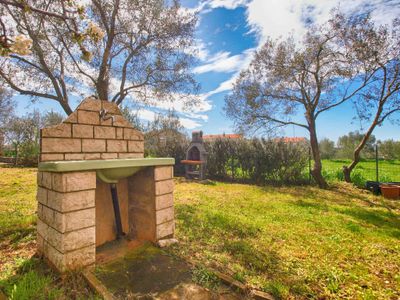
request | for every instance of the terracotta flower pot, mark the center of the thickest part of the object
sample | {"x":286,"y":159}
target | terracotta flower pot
{"x":390,"y":191}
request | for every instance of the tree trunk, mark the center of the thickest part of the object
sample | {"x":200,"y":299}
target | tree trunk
{"x":356,"y":154}
{"x":316,"y":171}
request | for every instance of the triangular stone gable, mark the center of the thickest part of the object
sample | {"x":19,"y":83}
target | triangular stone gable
{"x":85,"y":135}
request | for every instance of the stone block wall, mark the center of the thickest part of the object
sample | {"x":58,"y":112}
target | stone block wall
{"x":66,"y":218}
{"x":85,"y":135}
{"x":151,"y":204}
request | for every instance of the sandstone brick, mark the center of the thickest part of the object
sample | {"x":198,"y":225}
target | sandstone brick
{"x":71,"y":260}
{"x":60,"y":130}
{"x":41,"y":195}
{"x":116,"y":146}
{"x":111,"y":107}
{"x":136,"y":146}
{"x":52,"y":145}
{"x":164,"y":201}
{"x":90,"y":156}
{"x":164,"y":215}
{"x":74,"y":156}
{"x":65,"y":202}
{"x":88,"y":117}
{"x":39,"y":209}
{"x":39,"y":243}
{"x":46,"y":214}
{"x":120,"y":133}
{"x":109,"y":155}
{"x":42,"y":228}
{"x":65,"y":222}
{"x":72,"y":118}
{"x":80,"y":258}
{"x":82,"y":131}
{"x":52,"y":157}
{"x":93,"y":145}
{"x":44,"y":180}
{"x":74,"y":181}
{"x":130,"y":155}
{"x":164,"y":172}
{"x":103,"y":132}
{"x":164,"y":187}
{"x":120,"y":121}
{"x":70,"y":241}
{"x":108,"y":122}
{"x":165,"y":230}
{"x":92,"y":104}
{"x":55,"y":257}
{"x":133,"y":134}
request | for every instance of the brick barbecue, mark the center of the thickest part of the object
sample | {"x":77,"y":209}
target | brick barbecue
{"x":196,"y":157}
{"x":75,"y":208}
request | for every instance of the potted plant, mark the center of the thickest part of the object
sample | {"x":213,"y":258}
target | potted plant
{"x":390,"y":191}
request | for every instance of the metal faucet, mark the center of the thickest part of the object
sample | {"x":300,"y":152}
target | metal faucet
{"x":104,"y":117}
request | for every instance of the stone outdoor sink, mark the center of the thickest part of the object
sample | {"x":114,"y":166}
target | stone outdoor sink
{"x":109,"y":170}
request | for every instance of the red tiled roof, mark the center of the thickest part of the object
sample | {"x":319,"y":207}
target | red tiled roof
{"x":222,"y":136}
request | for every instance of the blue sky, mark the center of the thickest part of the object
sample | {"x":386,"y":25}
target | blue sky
{"x":227,"y":34}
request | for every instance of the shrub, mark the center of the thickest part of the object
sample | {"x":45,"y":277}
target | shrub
{"x":257,"y":160}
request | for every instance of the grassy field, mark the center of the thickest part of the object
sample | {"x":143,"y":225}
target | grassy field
{"x":389,"y":170}
{"x":22,"y":275}
{"x":297,"y":242}
{"x":294,"y":242}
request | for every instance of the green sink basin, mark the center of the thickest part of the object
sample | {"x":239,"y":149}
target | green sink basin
{"x":108,"y":170}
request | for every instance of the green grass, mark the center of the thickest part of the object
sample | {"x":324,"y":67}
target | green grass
{"x":22,"y":274}
{"x":389,"y":170}
{"x":297,"y":242}
{"x":293,"y":241}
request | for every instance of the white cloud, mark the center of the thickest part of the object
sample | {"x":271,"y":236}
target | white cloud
{"x":223,"y":62}
{"x":149,"y":115}
{"x":228,"y":4}
{"x":278,"y":18}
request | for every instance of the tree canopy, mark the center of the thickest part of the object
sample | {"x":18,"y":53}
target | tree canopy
{"x":114,"y":49}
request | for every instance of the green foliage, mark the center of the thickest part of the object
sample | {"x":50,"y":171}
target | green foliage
{"x":33,"y":286}
{"x":389,"y":149}
{"x":165,"y":137}
{"x":257,"y":160}
{"x":348,"y":143}
{"x":204,"y":277}
{"x":389,"y":171}
{"x":327,"y":149}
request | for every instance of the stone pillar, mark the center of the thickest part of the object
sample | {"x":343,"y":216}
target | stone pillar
{"x":66,"y":218}
{"x":151,"y":211}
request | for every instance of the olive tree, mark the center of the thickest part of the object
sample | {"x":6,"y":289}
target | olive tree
{"x":375,"y":50}
{"x":115,"y":49}
{"x":289,"y":83}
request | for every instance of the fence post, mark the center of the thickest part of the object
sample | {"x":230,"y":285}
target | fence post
{"x":376,"y":162}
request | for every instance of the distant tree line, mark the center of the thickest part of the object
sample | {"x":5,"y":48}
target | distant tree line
{"x":344,"y":148}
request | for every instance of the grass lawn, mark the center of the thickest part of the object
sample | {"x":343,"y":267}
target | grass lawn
{"x":389,"y":170}
{"x":290,"y":241}
{"x":22,"y":275}
{"x":294,"y":241}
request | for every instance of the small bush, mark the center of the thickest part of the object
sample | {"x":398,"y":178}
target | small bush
{"x":258,"y":161}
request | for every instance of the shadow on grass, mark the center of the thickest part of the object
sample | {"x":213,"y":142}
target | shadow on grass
{"x":33,"y":279}
{"x":387,"y":220}
{"x":221,"y":233}
{"x":381,"y":219}
{"x":17,"y":235}
{"x":214,"y":222}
